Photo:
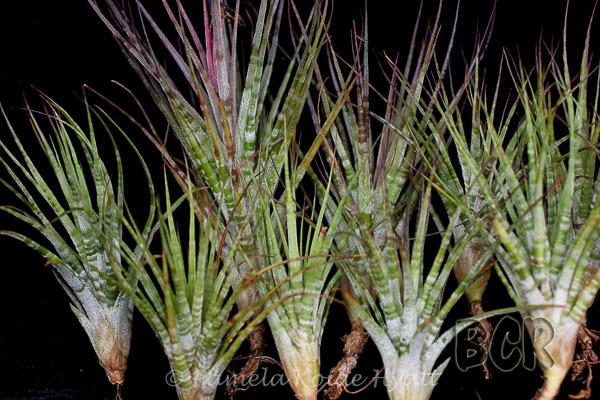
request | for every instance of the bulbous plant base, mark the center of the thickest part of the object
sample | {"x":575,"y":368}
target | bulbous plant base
{"x":303,"y":377}
{"x":114,"y":363}
{"x":406,"y":377}
{"x":302,"y":371}
{"x":109,"y":331}
{"x":553,"y":378}
{"x":555,"y":351}
{"x":470,"y":256}
{"x":200,"y":385}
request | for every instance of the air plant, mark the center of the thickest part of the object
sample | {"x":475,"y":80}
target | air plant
{"x":545,"y":215}
{"x":376,"y":170}
{"x":229,"y":125}
{"x":392,"y":292}
{"x":295,"y":251}
{"x":454,"y":180}
{"x":406,"y":325}
{"x":459,"y":186}
{"x":64,"y":206}
{"x":187,"y":294}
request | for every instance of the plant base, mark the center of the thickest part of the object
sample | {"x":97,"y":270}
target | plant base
{"x":301,"y":366}
{"x":555,"y":351}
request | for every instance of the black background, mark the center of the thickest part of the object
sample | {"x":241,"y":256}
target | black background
{"x":58,"y":46}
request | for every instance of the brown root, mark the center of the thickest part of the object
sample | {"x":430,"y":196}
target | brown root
{"x":484,"y":339}
{"x":354,"y":344}
{"x":257,"y":348}
{"x":118,"y":392}
{"x":583,"y":362}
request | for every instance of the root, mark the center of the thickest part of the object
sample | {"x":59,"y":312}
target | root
{"x":584,"y":361}
{"x":484,"y":339}
{"x":354,"y":344}
{"x":118,"y":395}
{"x":257,"y":348}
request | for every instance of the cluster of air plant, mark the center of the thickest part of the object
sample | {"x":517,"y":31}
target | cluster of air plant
{"x":392,"y":292}
{"x":458,"y":185}
{"x":517,"y":195}
{"x":540,"y":187}
{"x":66,"y":222}
{"x":406,"y":325}
{"x":377,"y":172}
{"x":550,"y":232}
{"x":233,"y":122}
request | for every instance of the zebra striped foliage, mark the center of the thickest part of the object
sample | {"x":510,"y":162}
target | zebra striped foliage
{"x":65,"y":202}
{"x":229,"y":125}
{"x":294,"y":250}
{"x":376,"y":171}
{"x":233,"y":120}
{"x":458,"y":185}
{"x":187,"y":295}
{"x":545,"y":213}
{"x":406,"y":324}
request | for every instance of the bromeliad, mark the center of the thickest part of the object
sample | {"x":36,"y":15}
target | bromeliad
{"x":544,"y":214}
{"x":65,"y":207}
{"x":294,"y":250}
{"x":187,"y":294}
{"x":232,"y":119}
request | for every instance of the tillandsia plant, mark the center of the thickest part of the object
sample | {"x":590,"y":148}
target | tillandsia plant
{"x":294,"y":248}
{"x":223,"y":113}
{"x":187,"y":294}
{"x":64,"y":207}
{"x":375,"y":169}
{"x":545,"y":216}
{"x":458,"y":184}
{"x":406,"y":324}
{"x":455,"y":180}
